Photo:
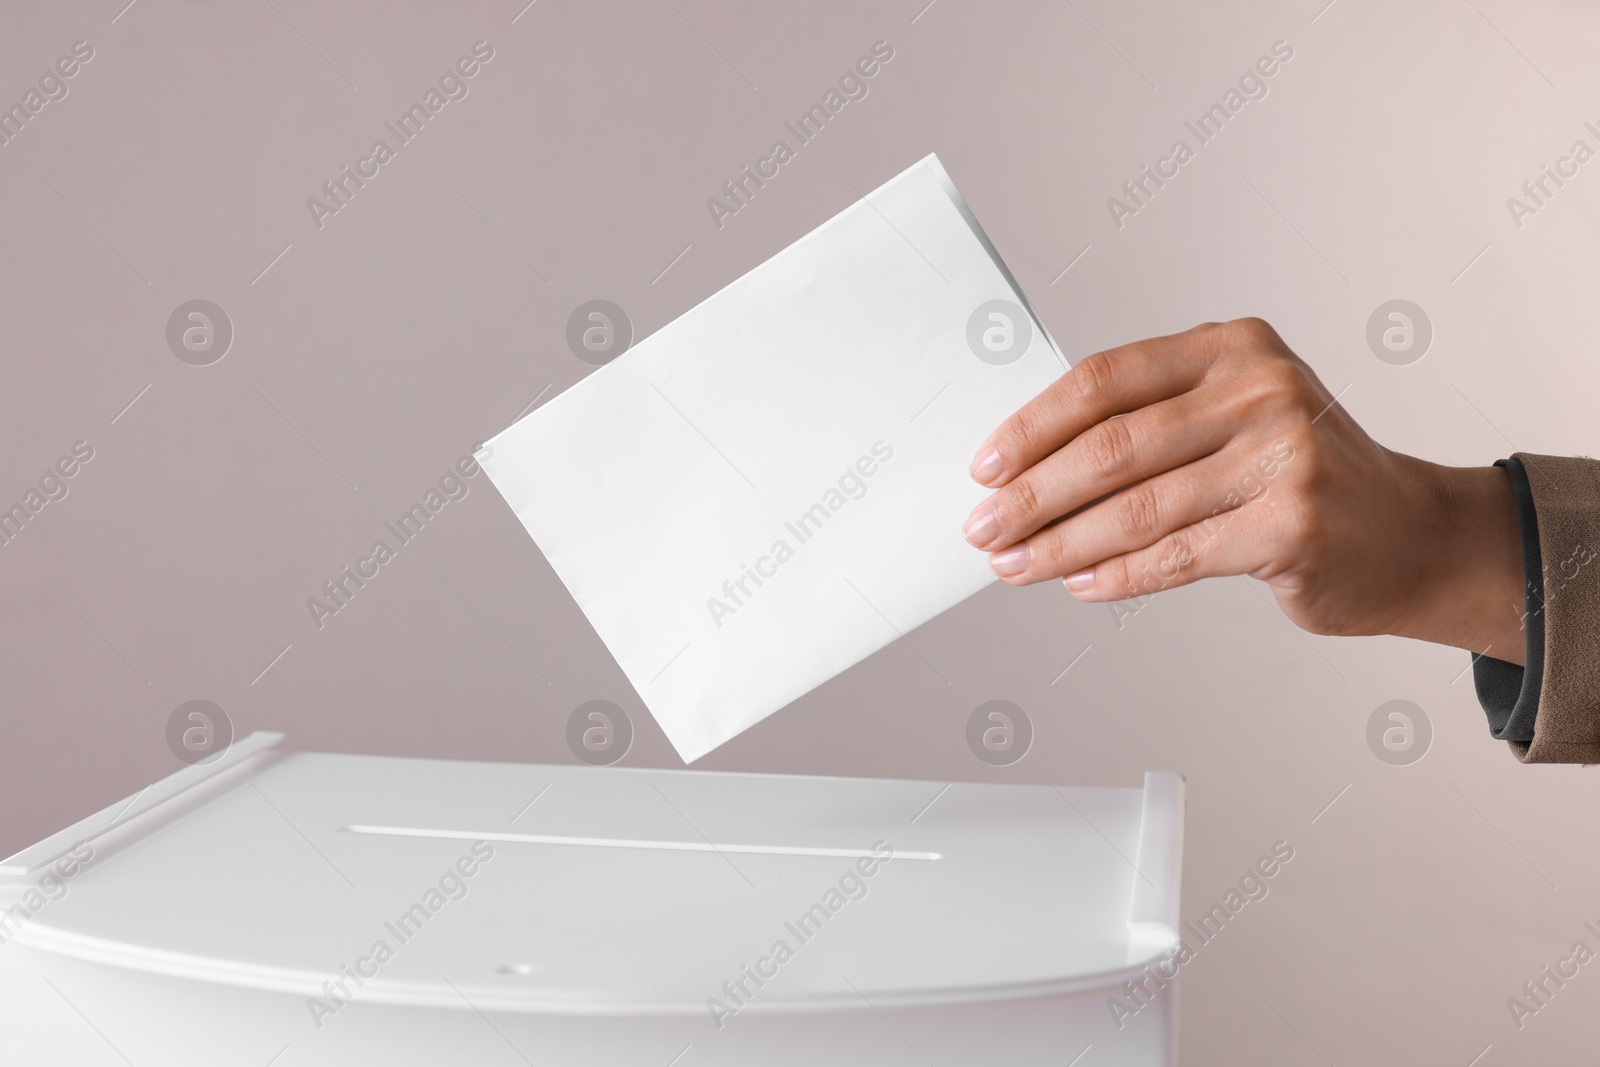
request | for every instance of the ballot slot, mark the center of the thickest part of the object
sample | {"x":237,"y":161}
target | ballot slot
{"x":612,"y":842}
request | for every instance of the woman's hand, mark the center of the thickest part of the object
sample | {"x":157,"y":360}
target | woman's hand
{"x":1216,"y":452}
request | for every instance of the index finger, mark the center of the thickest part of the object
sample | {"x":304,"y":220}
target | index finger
{"x":1098,"y":387}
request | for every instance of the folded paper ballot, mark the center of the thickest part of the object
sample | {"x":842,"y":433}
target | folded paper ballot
{"x":772,"y":487}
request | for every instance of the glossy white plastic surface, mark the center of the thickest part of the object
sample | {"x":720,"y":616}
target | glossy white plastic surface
{"x":603,"y":915}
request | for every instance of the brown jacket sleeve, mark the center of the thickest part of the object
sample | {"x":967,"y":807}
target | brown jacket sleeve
{"x":1566,"y":502}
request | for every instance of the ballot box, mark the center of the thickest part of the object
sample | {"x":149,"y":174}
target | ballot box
{"x":289,"y":908}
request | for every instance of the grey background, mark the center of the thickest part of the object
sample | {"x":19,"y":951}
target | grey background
{"x":429,"y":314}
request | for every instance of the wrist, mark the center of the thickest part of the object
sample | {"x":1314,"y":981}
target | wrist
{"x":1471,"y":590}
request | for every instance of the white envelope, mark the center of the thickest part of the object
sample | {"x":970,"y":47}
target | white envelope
{"x":772,"y":487}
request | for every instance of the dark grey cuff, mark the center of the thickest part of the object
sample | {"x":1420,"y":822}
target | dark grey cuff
{"x":1509,"y":693}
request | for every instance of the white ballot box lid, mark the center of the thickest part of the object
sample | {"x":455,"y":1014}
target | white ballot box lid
{"x":604,"y":890}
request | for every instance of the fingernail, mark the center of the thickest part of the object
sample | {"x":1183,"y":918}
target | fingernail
{"x":987,"y":466}
{"x":1010,"y":562}
{"x":982,"y":527}
{"x":1080,"y":581}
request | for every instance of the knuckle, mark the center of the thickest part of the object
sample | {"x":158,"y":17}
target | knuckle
{"x":1178,"y":553}
{"x":1182,"y":550}
{"x":1092,"y":377}
{"x":1209,"y":338}
{"x":1026,"y":428}
{"x":1294,"y":444}
{"x":1254,"y":331}
{"x":1047,"y":554}
{"x":1020,"y":501}
{"x":1279,"y":386}
{"x":1289,"y":378}
{"x":1109,"y":447}
{"x":1306,"y":456}
{"x":1141,"y":512}
{"x":1247,"y":345}
{"x":1296,"y":501}
{"x":1300,"y":530}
